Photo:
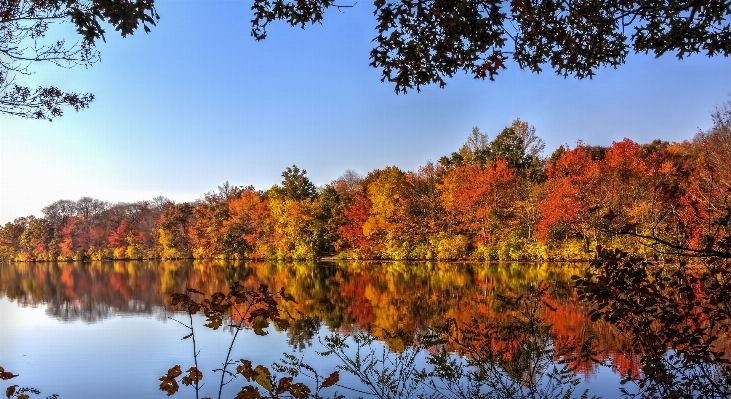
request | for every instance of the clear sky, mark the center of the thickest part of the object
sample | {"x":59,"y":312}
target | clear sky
{"x":198,"y":102}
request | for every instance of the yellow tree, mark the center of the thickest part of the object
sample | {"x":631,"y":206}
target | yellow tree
{"x":388,"y":193}
{"x":296,"y":226}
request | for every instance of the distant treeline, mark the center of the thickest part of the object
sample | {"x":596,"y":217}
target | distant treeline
{"x":492,"y":199}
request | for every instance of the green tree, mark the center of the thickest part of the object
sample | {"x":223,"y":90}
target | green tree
{"x":520,"y":146}
{"x":296,"y":185}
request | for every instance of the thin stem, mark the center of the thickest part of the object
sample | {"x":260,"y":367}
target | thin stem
{"x":230,"y":347}
{"x":195,"y":355}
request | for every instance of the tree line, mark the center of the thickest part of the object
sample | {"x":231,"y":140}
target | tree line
{"x":493,"y":199}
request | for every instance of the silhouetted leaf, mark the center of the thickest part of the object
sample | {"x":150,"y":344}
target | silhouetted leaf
{"x":331,"y":380}
{"x":10,"y":391}
{"x":169,"y":385}
{"x":259,"y":324}
{"x":194,"y":375}
{"x":6,"y":375}
{"x":214,"y":321}
{"x":300,"y":390}
{"x":246,"y":370}
{"x":248,"y":392}
{"x":174,"y":371}
{"x":284,"y":385}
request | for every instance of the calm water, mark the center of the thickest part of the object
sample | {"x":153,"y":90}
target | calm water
{"x":104,"y":330}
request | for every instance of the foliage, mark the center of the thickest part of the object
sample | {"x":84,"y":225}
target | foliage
{"x":384,"y":375}
{"x":676,"y":317}
{"x":296,"y":186}
{"x":424,"y":42}
{"x":240,"y":308}
{"x":515,"y":355}
{"x":24,"y":25}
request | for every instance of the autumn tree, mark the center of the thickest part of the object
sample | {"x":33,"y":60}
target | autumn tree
{"x":296,"y":222}
{"x":35,"y":240}
{"x":694,"y":187}
{"x":334,"y":200}
{"x":425,"y":219}
{"x":242,"y":231}
{"x":708,"y":198}
{"x":354,"y":241}
{"x":518,"y":144}
{"x":24,"y":26}
{"x":210,"y":215}
{"x":481,"y":199}
{"x":387,"y":192}
{"x":571,"y":194}
{"x":425,"y":42}
{"x":10,"y":239}
{"x":174,"y":230}
{"x":58,"y":212}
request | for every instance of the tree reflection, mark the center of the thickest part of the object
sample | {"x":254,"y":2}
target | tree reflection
{"x":343,"y":297}
{"x":515,"y":354}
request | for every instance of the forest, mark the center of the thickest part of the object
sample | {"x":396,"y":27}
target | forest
{"x":498,"y":199}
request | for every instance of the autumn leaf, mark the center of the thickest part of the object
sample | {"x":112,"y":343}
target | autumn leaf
{"x":194,"y":376}
{"x":282,"y":324}
{"x":248,"y":392}
{"x":259,"y":324}
{"x":217,"y":298}
{"x":331,"y":380}
{"x":10,"y":391}
{"x":193,"y":307}
{"x":174,"y":372}
{"x":214,"y":321}
{"x":263,"y":377}
{"x":246,"y":370}
{"x":168,"y":384}
{"x":300,"y":390}
{"x":284,"y":385}
{"x":6,"y":375}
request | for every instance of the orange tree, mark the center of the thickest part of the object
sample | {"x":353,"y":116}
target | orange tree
{"x":677,"y":316}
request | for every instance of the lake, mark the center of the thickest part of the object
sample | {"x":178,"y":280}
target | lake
{"x":104,"y":329}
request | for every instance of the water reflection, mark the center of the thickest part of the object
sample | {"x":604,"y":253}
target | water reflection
{"x":348,"y":297}
{"x":345,"y":297}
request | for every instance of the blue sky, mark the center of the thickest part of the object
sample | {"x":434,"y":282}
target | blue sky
{"x":198,"y":102}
